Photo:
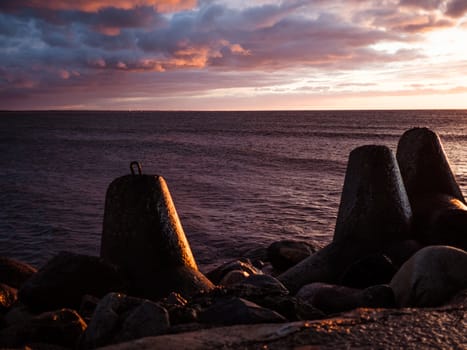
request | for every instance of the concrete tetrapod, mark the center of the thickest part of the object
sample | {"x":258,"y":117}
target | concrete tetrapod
{"x":142,"y":234}
{"x":374,"y":211}
{"x":439,"y":210}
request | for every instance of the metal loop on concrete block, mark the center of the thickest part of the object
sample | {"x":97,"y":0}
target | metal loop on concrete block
{"x":138,"y":165}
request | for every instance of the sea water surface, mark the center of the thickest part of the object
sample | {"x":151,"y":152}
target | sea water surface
{"x":239,"y":180}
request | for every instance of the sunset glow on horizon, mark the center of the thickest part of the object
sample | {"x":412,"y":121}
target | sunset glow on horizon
{"x":233,"y":55}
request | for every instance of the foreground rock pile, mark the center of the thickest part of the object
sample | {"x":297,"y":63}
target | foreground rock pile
{"x":395,"y":274}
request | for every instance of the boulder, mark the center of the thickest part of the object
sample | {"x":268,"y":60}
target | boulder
{"x":66,"y":278}
{"x":287,"y":253}
{"x":233,"y":277}
{"x":401,"y":251}
{"x":62,"y":327}
{"x":238,"y":311}
{"x":333,"y":298}
{"x":290,"y":307}
{"x":369,"y":271}
{"x":257,"y":287}
{"x":431,"y":277}
{"x":119,"y":318}
{"x":14,"y":273}
{"x":8,"y":296}
{"x":142,"y":234}
{"x":220,"y":272}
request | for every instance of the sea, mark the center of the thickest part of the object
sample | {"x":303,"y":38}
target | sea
{"x":239,"y":180}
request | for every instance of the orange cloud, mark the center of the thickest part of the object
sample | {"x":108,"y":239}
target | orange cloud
{"x":95,"y":5}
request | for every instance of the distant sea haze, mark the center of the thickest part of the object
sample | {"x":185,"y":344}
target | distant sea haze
{"x":239,"y":180}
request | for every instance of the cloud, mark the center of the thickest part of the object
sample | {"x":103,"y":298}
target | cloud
{"x":117,"y":47}
{"x":456,"y":8}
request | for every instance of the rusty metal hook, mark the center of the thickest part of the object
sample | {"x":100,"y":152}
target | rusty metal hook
{"x":140,"y":172}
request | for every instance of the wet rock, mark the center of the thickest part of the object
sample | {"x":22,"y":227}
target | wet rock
{"x":257,"y":256}
{"x":62,"y":327}
{"x":119,"y":318}
{"x":287,"y":253}
{"x":439,"y":210}
{"x":431,"y":277}
{"x":19,"y":313}
{"x":233,"y":277}
{"x":332,"y":298}
{"x":143,"y":235}
{"x":258,"y":286}
{"x":374,"y":212}
{"x":66,"y":278}
{"x":14,"y":273}
{"x":369,"y":271}
{"x":220,"y":272}
{"x":8,"y":297}
{"x":238,"y":311}
{"x":178,"y":309}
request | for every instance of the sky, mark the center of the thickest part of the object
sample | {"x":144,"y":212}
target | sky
{"x":233,"y":55}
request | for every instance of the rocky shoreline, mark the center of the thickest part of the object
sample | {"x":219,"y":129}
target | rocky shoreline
{"x":394,"y":276}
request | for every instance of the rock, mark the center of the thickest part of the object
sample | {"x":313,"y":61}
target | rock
{"x":257,"y":256}
{"x":14,"y":273}
{"x":431,"y":277}
{"x":290,"y":307}
{"x":178,"y":309}
{"x":287,"y":253}
{"x":439,"y":210}
{"x":258,"y":286}
{"x":19,"y":313}
{"x":143,"y":235}
{"x":88,"y":306}
{"x":8,"y":296}
{"x":66,"y":278}
{"x":401,"y":251}
{"x":120,"y":318}
{"x":220,"y":272}
{"x":374,"y":212}
{"x":62,"y":327}
{"x":233,"y":277}
{"x":238,"y":311}
{"x":374,"y":204}
{"x":369,"y":271}
{"x":332,"y":298}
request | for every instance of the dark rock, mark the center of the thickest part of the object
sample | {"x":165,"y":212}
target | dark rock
{"x":257,"y":256}
{"x":88,"y":306}
{"x":66,"y":278}
{"x":14,"y":273}
{"x":369,"y":271}
{"x":238,"y":311}
{"x":290,"y":307}
{"x":19,"y":313}
{"x":332,"y":298}
{"x":287,"y":253}
{"x":143,"y":235}
{"x":401,"y":251}
{"x":431,"y":277}
{"x":374,"y":204}
{"x":179,"y":311}
{"x":233,"y":277}
{"x":62,"y":327}
{"x":8,"y":296}
{"x":258,"y":286}
{"x":120,"y":318}
{"x":220,"y":272}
